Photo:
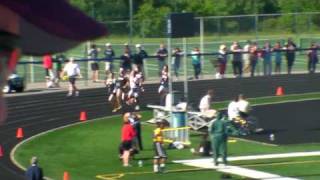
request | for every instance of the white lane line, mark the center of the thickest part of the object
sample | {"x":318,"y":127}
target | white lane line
{"x":207,"y":163}
{"x":256,"y":157}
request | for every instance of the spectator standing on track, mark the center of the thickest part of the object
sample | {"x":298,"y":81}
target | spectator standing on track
{"x":290,"y":48}
{"x":48,"y":66}
{"x":312,"y":58}
{"x":161,"y":54}
{"x":237,"y":59}
{"x":59,"y":60}
{"x":164,"y":85}
{"x":36,"y":32}
{"x":109,"y":57}
{"x":278,"y":57}
{"x":267,"y":59}
{"x":125,"y":63}
{"x":196,"y":62}
{"x":93,"y":56}
{"x":139,"y":57}
{"x":222,"y":61}
{"x":246,"y":57}
{"x":34,"y":172}
{"x":253,"y":50}
{"x":72,"y":70}
{"x":127,"y":135}
{"x":176,"y":59}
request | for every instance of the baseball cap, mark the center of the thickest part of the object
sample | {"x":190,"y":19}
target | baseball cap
{"x":108,"y":44}
{"x":51,"y":26}
{"x":138,"y":45}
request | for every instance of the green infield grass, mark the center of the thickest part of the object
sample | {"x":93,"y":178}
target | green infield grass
{"x":86,"y":150}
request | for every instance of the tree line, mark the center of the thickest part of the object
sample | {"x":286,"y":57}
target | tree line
{"x":149,"y":15}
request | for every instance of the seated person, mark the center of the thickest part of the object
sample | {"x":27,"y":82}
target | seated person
{"x":243,"y":106}
{"x":205,"y":105}
{"x":233,"y":110}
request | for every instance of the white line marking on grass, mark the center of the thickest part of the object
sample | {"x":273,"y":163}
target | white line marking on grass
{"x":13,"y":151}
{"x":207,"y":163}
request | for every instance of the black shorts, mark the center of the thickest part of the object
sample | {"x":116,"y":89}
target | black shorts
{"x":159,"y":151}
{"x":94,"y":66}
{"x":47,"y":72}
{"x":126,"y":145}
{"x":72,"y":79}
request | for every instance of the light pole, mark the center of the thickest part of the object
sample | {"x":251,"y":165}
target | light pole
{"x":130,"y":22}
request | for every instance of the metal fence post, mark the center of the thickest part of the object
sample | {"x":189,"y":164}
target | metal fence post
{"x":31,"y":69}
{"x":201,"y":38}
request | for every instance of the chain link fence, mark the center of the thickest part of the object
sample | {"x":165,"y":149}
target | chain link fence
{"x":211,"y":32}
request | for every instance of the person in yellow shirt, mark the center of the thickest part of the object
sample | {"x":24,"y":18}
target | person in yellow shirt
{"x":160,"y":154}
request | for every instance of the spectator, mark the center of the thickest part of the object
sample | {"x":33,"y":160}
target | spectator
{"x":233,"y":110}
{"x":278,"y":57}
{"x":246,"y":57}
{"x":290,"y":48}
{"x":127,"y":48}
{"x":125,"y":63}
{"x":93,"y":56}
{"x":222,"y":61}
{"x":162,"y":54}
{"x":237,"y":59}
{"x":205,"y":102}
{"x":164,"y":85}
{"x":136,"y":124}
{"x":59,"y":60}
{"x":72,"y":70}
{"x":267,"y":64}
{"x":34,"y":172}
{"x":243,"y":106}
{"x":48,"y":65}
{"x":253,"y":50}
{"x":32,"y":42}
{"x":139,"y":57}
{"x":196,"y":62}
{"x":312,"y":58}
{"x":127,"y":135}
{"x":176,"y":59}
{"x":109,"y":57}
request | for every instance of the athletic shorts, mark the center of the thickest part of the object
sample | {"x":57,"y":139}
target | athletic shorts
{"x":72,"y":79}
{"x":94,"y":66}
{"x":126,"y":145}
{"x":159,"y":151}
{"x":109,"y":66}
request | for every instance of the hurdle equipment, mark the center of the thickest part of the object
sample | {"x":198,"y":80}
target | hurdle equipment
{"x":177,"y":135}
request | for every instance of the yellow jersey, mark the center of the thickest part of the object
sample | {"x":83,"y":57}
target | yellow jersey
{"x":157,"y":135}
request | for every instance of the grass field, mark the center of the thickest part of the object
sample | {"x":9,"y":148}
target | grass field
{"x":89,"y":149}
{"x":211,"y":44}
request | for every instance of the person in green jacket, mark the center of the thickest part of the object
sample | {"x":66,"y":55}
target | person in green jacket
{"x":219,"y":131}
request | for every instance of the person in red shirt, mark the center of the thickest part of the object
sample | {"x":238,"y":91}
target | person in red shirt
{"x":127,"y":135}
{"x":47,"y":65}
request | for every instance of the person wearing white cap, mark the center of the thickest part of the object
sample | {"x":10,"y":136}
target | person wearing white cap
{"x":138,"y":58}
{"x":109,"y":57}
{"x":222,"y":60}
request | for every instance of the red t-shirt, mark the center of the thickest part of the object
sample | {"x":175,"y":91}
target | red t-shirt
{"x":127,"y":133}
{"x":47,"y":62}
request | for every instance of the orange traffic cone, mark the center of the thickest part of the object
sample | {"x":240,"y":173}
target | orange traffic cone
{"x":1,"y":151}
{"x":83,"y":116}
{"x":19,"y":133}
{"x":66,"y":176}
{"x":279,"y":91}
